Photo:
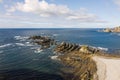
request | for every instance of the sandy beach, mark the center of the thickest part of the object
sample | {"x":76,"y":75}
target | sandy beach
{"x":107,"y":68}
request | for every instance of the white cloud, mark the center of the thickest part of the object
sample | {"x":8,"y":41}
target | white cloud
{"x":12,"y":9}
{"x":45,"y":9}
{"x":117,"y":2}
{"x":24,"y":21}
{"x":40,"y":7}
{"x":1,"y":1}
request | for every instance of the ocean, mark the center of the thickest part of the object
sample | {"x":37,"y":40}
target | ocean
{"x":19,"y":61}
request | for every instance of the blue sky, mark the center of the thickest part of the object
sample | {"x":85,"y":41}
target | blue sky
{"x":59,"y":13}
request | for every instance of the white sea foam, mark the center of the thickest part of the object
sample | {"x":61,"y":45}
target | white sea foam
{"x":21,"y":38}
{"x":55,"y":34}
{"x":104,"y":49}
{"x":54,"y":57}
{"x":38,"y":50}
{"x":20,"y":44}
{"x":5,"y":45}
{"x":28,"y":44}
{"x":100,"y":48}
{"x":23,"y":44}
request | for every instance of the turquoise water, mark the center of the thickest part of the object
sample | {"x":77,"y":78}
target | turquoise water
{"x":18,"y":59}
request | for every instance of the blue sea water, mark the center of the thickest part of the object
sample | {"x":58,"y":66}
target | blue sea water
{"x":18,"y":58}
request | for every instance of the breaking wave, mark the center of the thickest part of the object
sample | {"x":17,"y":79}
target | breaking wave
{"x":5,"y":45}
{"x":100,"y":48}
{"x":15,"y":44}
{"x":23,"y":44}
{"x":20,"y":44}
{"x":21,"y":38}
{"x":104,"y":49}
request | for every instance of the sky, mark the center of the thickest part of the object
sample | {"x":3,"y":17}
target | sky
{"x":59,"y":13}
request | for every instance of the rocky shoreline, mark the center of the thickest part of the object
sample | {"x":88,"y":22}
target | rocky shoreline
{"x":78,"y":60}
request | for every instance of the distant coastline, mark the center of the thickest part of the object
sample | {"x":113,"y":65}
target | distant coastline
{"x":115,"y":29}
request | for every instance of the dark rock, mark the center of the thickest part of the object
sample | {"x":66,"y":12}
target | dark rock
{"x":44,"y":41}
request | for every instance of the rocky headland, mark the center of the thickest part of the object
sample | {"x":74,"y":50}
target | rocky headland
{"x":78,"y":61}
{"x":115,"y":29}
{"x":83,"y":62}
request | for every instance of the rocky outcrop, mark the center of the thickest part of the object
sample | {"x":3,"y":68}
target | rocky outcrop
{"x":70,"y":47}
{"x":116,"y":29}
{"x":66,"y":47}
{"x":77,"y":61}
{"x":83,"y":62}
{"x":44,"y":41}
{"x":107,"y":30}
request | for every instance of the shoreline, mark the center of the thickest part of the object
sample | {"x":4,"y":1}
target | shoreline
{"x":82,"y":62}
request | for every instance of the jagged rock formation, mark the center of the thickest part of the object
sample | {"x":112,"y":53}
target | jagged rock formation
{"x":78,"y":62}
{"x":66,"y":47}
{"x":116,"y":29}
{"x":70,"y":47}
{"x":78,"y":67}
{"x":44,"y":41}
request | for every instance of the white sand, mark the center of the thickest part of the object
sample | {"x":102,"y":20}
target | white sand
{"x":108,"y":69}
